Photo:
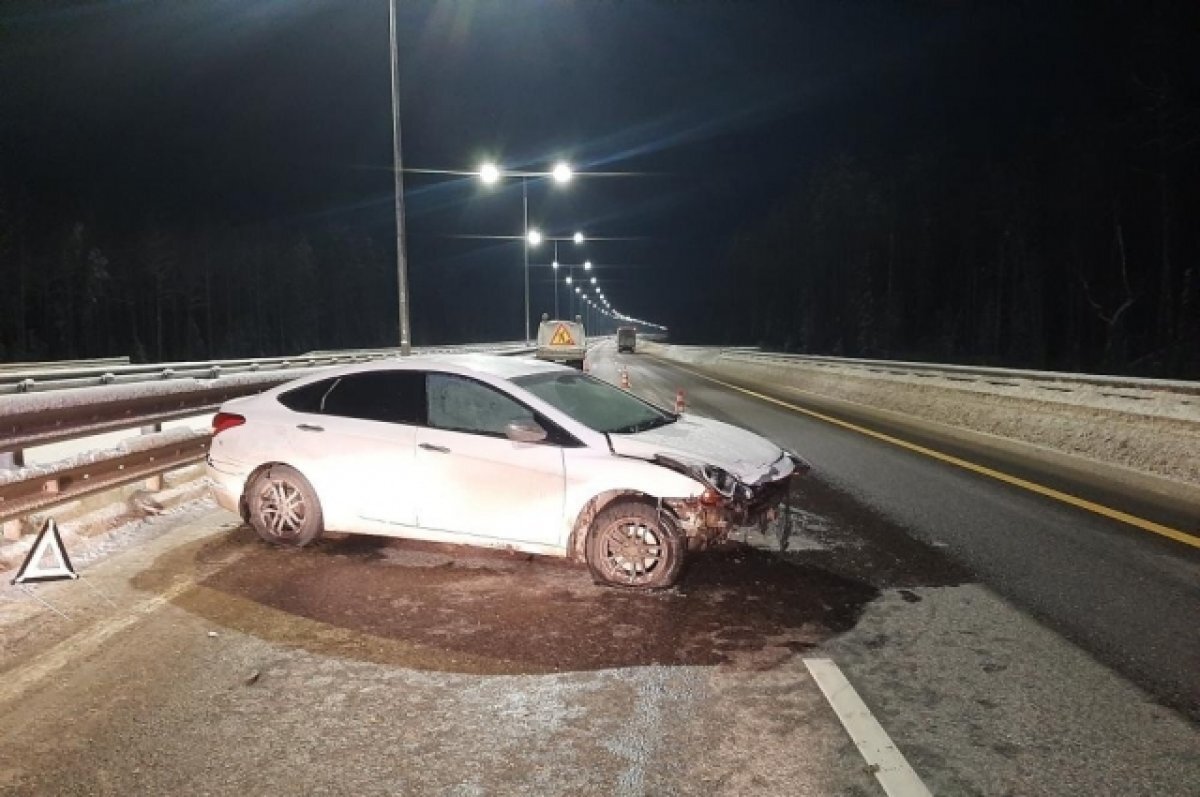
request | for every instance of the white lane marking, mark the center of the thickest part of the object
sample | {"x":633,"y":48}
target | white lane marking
{"x":890,"y":767}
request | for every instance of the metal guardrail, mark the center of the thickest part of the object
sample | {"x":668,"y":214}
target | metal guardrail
{"x":46,"y":365}
{"x":42,"y":488}
{"x":92,"y":375}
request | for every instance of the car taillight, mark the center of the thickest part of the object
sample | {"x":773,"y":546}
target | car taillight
{"x":225,"y":420}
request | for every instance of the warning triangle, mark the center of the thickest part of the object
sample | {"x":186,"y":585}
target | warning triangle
{"x":48,"y":560}
{"x":562,"y":337}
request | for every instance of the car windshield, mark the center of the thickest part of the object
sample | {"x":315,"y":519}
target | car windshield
{"x":597,"y":405}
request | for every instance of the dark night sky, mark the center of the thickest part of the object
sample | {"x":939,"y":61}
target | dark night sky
{"x":268,"y":111}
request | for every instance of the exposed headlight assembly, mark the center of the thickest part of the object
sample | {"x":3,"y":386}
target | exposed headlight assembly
{"x":720,"y":480}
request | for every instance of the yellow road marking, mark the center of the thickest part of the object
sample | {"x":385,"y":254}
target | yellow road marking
{"x":1049,"y":492}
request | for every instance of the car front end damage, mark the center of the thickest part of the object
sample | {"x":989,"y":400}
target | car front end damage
{"x":729,"y":503}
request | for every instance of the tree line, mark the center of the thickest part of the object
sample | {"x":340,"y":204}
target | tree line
{"x":1074,"y":246}
{"x":162,"y":292}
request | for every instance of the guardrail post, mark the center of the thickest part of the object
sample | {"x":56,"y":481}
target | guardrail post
{"x":154,"y":483}
{"x":11,"y":460}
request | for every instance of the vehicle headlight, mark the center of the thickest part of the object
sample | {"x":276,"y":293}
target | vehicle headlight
{"x":720,"y":480}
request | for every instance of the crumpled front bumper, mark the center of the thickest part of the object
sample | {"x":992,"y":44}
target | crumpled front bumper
{"x":751,"y":506}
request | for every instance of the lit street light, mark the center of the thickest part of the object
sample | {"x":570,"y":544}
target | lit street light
{"x":587,"y":265}
{"x":578,"y":238}
{"x":489,"y":173}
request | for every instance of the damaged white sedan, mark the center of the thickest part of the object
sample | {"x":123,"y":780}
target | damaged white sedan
{"x":497,"y":452}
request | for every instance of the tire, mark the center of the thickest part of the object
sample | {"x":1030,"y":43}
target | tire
{"x":576,"y":364}
{"x":275,"y":491}
{"x":625,"y":527}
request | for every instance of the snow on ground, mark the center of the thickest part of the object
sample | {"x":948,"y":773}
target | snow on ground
{"x":100,"y":534}
{"x":89,"y":550}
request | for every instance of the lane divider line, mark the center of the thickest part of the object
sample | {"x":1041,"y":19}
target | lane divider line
{"x":1048,"y":492}
{"x":884,"y":760}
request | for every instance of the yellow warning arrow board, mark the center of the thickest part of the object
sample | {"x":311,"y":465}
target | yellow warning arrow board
{"x":562,"y":337}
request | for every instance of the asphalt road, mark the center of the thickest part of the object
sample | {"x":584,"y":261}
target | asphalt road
{"x":1007,"y":646}
{"x":1125,"y":596}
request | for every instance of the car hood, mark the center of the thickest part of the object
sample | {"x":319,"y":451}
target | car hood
{"x":703,"y":441}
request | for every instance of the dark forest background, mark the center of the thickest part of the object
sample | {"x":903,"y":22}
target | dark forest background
{"x":1071,"y":241}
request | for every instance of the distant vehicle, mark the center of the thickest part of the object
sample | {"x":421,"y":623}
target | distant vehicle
{"x":496,"y":452}
{"x":562,"y":341}
{"x":626,"y":339}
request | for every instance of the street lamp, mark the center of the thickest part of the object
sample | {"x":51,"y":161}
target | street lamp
{"x":587,"y":265}
{"x":398,"y":189}
{"x":489,"y":174}
{"x":577,"y":238}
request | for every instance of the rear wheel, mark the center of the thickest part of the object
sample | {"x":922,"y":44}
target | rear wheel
{"x":632,"y":544}
{"x":283,"y":507}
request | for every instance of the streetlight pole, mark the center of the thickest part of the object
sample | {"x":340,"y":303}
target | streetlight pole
{"x":525,"y":248}
{"x":554,"y":269}
{"x":398,"y":189}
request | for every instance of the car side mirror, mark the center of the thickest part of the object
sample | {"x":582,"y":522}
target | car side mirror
{"x":524,"y":431}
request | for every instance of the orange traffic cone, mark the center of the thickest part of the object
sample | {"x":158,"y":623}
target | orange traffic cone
{"x":624,"y":379}
{"x":680,"y":401}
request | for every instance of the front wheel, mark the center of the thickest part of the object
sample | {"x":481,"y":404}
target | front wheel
{"x":632,"y":544}
{"x":283,"y":507}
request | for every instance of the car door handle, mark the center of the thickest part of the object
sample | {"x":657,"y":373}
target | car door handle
{"x":432,"y":447}
{"x":309,"y":427}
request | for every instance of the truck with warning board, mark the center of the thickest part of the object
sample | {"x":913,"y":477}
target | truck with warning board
{"x":562,"y":341}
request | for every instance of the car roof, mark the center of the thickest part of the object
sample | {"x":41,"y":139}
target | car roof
{"x":492,"y":365}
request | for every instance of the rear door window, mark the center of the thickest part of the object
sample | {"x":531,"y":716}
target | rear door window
{"x":393,"y":396}
{"x":307,"y":398}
